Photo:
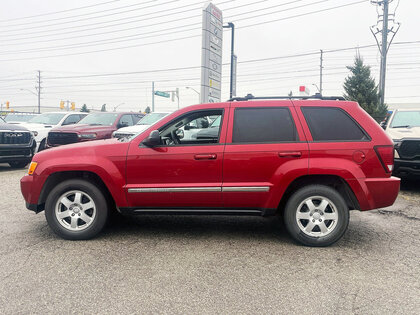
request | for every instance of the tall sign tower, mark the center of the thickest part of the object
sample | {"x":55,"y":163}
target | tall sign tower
{"x":211,"y":54}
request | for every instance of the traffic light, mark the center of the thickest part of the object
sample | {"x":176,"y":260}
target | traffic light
{"x":7,"y":105}
{"x":62,"y":105}
{"x":73,"y":105}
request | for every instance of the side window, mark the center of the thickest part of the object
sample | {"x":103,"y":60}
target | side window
{"x":193,"y":128}
{"x":263,"y":125}
{"x":136,"y":118}
{"x":125,"y":121}
{"x":71,"y":119}
{"x":332,"y":124}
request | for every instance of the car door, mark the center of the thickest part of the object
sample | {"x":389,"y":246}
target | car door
{"x":264,"y":147}
{"x":178,"y":174}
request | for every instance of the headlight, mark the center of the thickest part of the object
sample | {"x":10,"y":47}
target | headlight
{"x":35,"y":133}
{"x":87,"y":136}
{"x":397,"y":142}
{"x":396,"y":155}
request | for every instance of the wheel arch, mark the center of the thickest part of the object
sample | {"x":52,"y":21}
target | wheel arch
{"x":334,"y":181}
{"x":57,"y":177}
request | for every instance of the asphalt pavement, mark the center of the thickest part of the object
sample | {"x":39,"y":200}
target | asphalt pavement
{"x":203,"y":264}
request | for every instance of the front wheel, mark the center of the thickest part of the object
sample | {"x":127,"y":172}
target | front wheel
{"x":76,"y":210}
{"x":316,"y":215}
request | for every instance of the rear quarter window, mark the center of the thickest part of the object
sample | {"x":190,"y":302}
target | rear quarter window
{"x":332,"y":124}
{"x":263,"y":125}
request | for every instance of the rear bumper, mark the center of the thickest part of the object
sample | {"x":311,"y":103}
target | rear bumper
{"x":406,"y":168}
{"x":374,"y":193}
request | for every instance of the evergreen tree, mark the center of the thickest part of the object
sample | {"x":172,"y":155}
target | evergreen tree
{"x":360,"y":87}
{"x":103,"y":108}
{"x":84,"y":109}
{"x":147,"y":110}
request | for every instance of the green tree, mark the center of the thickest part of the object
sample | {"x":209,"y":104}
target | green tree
{"x":85,"y":109}
{"x":103,"y":108}
{"x":360,"y":87}
{"x":147,"y":110}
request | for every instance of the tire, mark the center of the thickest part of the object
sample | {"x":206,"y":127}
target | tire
{"x":19,"y":164}
{"x":316,"y":215}
{"x":42,"y":145}
{"x":65,"y":214}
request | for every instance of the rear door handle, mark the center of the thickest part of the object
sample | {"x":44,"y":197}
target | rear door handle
{"x":290,"y":154}
{"x":205,"y":156}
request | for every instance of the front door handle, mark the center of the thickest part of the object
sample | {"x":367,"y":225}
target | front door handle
{"x":212,"y":156}
{"x":290,"y":154}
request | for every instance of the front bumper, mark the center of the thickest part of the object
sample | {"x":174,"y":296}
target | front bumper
{"x":12,"y":153}
{"x":406,"y":168}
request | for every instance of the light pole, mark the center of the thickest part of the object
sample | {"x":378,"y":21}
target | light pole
{"x":39,"y":98}
{"x":115,"y":107}
{"x":190,"y":88}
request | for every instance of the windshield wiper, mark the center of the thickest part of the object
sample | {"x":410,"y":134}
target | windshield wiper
{"x":402,"y":126}
{"x":95,"y":124}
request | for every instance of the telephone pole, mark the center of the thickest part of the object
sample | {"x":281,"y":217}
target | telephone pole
{"x":38,"y":89}
{"x":383,"y":44}
{"x":321,"y":66}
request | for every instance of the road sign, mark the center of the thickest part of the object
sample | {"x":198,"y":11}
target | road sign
{"x":211,"y":54}
{"x":163,"y":94}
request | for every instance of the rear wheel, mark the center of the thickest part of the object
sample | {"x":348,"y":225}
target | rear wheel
{"x":316,"y":215}
{"x":76,"y":209}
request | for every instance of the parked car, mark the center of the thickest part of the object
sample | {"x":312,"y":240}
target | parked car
{"x":40,"y":125}
{"x":141,"y":125}
{"x":17,"y":145}
{"x":17,"y":118}
{"x":95,"y":126}
{"x":403,"y":127}
{"x":308,"y":160}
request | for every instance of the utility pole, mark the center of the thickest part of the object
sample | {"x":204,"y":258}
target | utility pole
{"x":38,"y":88}
{"x":232,"y":46}
{"x":384,"y":44}
{"x":320,"y":71}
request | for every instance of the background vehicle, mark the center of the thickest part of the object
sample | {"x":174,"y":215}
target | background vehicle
{"x":403,"y":127}
{"x":95,"y":126}
{"x":40,"y":125}
{"x":141,"y":125}
{"x":17,"y":145}
{"x":16,"y":118}
{"x":310,"y":161}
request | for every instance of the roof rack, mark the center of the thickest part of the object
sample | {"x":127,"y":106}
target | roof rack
{"x":317,"y":96}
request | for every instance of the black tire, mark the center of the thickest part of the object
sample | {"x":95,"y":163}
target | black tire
{"x":42,"y":145}
{"x":337,"y":207}
{"x":19,"y":164}
{"x":97,"y":197}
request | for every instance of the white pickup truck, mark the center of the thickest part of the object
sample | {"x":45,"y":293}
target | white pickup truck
{"x":40,"y":125}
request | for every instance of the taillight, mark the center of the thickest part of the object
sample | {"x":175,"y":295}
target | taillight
{"x":385,"y":154}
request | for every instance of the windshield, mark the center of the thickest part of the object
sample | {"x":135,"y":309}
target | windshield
{"x":100,"y":119}
{"x":151,"y":118}
{"x":47,"y":118}
{"x":12,"y":117}
{"x":406,"y":118}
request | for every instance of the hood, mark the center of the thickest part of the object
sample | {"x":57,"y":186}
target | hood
{"x":399,"y":133}
{"x":133,"y":129}
{"x":12,"y":127}
{"x":83,"y":128}
{"x":36,"y":127}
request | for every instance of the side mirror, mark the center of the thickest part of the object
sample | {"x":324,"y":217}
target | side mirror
{"x":122,"y":125}
{"x":153,"y":139}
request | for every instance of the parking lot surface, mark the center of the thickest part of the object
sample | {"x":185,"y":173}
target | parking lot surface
{"x":193,"y":264}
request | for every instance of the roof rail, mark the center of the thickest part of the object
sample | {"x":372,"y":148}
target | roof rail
{"x":317,"y":96}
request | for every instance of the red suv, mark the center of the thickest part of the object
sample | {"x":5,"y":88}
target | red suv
{"x":94,"y":126}
{"x":309,"y":160}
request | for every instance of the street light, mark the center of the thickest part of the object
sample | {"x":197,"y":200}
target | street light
{"x":118,"y":106}
{"x":190,"y":88}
